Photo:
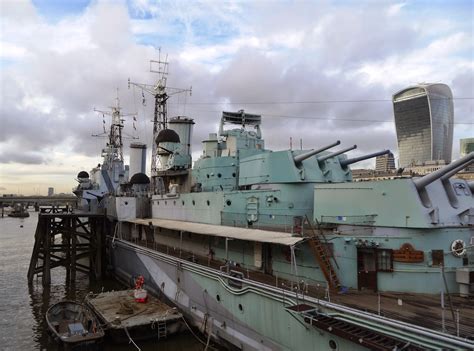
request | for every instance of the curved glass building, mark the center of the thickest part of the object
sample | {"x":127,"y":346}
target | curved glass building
{"x":424,"y":122}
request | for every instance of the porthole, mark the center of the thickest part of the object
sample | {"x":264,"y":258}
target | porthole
{"x":233,"y":175}
{"x":157,"y":202}
{"x":228,"y":202}
{"x":182,"y":203}
{"x":126,"y":203}
{"x":166,"y":202}
{"x":241,"y":307}
{"x":194,"y":202}
{"x":219,"y":175}
{"x":208,"y":202}
{"x":218,"y":297}
{"x":207,"y":175}
{"x":332,"y":345}
{"x":174,"y":202}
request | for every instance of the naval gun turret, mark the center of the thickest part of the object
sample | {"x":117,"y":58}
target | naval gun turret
{"x":337,"y":153}
{"x":446,"y":172}
{"x":301,"y":157}
{"x":435,"y":200}
{"x":443,"y":174}
{"x":347,"y":162}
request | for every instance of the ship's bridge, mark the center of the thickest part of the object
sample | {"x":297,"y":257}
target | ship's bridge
{"x":217,"y":168}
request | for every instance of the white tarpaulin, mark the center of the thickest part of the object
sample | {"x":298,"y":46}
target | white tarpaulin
{"x":265,"y":236}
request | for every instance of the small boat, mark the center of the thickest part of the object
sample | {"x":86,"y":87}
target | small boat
{"x":19,"y":211}
{"x":74,"y":324}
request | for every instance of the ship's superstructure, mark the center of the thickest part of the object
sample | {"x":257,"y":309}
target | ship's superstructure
{"x":244,"y":217}
{"x":282,"y":250}
{"x":98,"y":189}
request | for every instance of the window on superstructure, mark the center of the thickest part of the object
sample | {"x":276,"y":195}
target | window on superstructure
{"x":384,"y":260}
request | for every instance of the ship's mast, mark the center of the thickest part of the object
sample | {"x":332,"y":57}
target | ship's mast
{"x":161,"y":93}
{"x":114,"y":149}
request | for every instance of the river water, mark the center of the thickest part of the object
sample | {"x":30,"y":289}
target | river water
{"x":22,"y":307}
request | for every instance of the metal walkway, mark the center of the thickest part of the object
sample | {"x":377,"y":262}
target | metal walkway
{"x":363,"y":336}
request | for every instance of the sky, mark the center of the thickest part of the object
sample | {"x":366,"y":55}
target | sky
{"x":318,"y":71}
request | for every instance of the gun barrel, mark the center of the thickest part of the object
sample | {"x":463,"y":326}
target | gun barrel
{"x":456,"y":170}
{"x":349,"y":161}
{"x":420,"y":183}
{"x":324,"y":158}
{"x":302,"y":157}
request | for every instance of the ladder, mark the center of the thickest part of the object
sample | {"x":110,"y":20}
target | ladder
{"x":162,"y":330}
{"x":323,"y":257}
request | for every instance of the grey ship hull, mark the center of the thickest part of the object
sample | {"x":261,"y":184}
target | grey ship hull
{"x":257,"y":316}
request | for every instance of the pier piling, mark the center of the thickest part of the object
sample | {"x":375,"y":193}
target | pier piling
{"x":70,"y":240}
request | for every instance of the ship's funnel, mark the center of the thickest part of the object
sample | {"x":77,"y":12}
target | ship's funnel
{"x":463,"y":162}
{"x":137,"y":158}
{"x":302,"y":157}
{"x":349,"y":161}
{"x":337,"y":153}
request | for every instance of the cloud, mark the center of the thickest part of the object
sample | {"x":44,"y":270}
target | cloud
{"x":16,"y":156}
{"x":335,"y":54}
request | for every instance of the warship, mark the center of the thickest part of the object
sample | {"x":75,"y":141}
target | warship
{"x":282,"y":250}
{"x":98,"y":189}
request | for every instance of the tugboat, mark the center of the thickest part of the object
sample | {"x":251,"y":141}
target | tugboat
{"x":19,"y":211}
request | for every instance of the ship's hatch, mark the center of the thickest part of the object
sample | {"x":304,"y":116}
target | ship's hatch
{"x":366,"y":269}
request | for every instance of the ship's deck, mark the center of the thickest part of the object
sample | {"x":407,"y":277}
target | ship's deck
{"x":419,"y":309}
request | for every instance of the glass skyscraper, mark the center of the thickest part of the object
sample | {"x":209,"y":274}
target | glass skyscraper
{"x":424,"y":123}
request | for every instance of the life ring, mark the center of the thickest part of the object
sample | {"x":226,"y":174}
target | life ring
{"x":458,"y":248}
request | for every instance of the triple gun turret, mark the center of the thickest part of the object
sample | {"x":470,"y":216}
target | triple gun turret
{"x":344,"y":163}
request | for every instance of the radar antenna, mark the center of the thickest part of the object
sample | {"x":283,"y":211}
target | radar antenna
{"x":114,"y":147}
{"x":161,"y":93}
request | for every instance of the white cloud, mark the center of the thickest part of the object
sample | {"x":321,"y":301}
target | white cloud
{"x":232,"y":52}
{"x":394,"y":9}
{"x":436,"y":62}
{"x":11,"y":51}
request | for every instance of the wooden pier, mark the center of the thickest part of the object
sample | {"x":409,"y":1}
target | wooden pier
{"x":67,"y":240}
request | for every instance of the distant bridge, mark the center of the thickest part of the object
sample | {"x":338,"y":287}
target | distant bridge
{"x":37,"y":200}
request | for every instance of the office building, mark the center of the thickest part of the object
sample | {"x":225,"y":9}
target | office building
{"x":424,"y":124}
{"x":50,"y":191}
{"x":385,"y":163}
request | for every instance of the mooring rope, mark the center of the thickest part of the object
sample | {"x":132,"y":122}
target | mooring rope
{"x":197,"y":338}
{"x":130,"y":338}
{"x":209,"y":334}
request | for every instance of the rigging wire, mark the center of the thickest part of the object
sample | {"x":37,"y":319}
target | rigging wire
{"x":324,"y":118}
{"x":309,"y":101}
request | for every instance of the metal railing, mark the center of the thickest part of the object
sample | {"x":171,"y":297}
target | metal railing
{"x":276,"y":222}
